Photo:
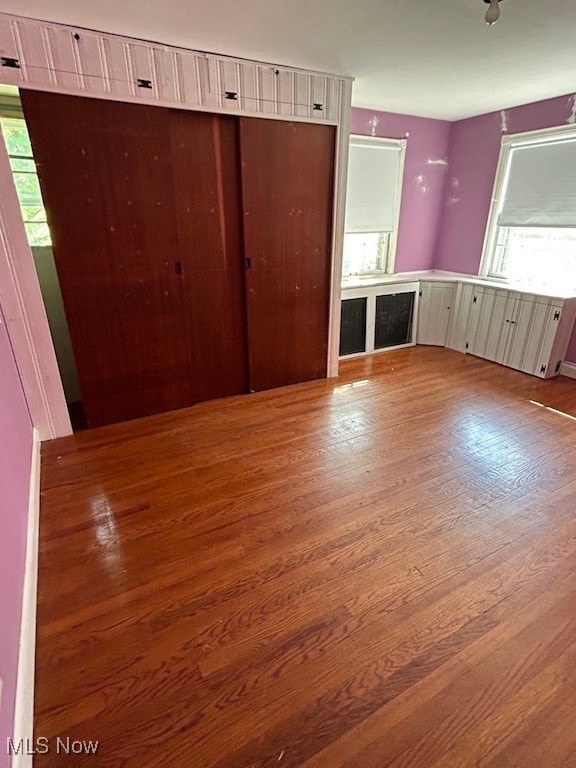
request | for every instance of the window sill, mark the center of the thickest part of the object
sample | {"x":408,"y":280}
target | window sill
{"x":457,"y":277}
{"x":528,"y":286}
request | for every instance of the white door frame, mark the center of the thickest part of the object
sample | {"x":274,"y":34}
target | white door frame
{"x":25,"y":316}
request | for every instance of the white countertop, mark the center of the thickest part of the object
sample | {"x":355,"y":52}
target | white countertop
{"x":440,"y":276}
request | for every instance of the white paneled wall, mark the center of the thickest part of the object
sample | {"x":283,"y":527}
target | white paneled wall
{"x":50,"y":56}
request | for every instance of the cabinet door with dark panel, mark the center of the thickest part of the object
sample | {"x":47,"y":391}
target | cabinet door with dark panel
{"x":393,"y":322}
{"x":353,"y":326}
{"x":288,"y":187}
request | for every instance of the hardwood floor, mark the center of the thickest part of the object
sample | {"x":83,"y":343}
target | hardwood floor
{"x":378,"y":570}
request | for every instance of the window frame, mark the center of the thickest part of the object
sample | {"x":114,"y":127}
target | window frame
{"x":39,"y":203}
{"x":373,"y":272}
{"x":362,"y":140}
{"x":509,"y":142}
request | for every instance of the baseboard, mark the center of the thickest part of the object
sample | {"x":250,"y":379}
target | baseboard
{"x":24,"y":710}
{"x":568,"y":369}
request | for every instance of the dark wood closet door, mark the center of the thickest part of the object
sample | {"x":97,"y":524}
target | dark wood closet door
{"x":142,"y":272}
{"x":288,"y":186}
{"x":105,"y":174}
{"x":206,"y":172}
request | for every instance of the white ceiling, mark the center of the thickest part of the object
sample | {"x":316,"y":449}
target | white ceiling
{"x":435,"y":58}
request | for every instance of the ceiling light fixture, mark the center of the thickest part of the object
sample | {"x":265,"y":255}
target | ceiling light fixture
{"x":493,"y":13}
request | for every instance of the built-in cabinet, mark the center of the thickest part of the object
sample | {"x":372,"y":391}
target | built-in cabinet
{"x":526,"y":331}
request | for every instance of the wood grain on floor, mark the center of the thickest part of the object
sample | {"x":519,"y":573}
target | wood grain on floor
{"x":375,"y":570}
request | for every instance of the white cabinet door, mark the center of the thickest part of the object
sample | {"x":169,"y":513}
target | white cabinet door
{"x":459,"y":322}
{"x":540,"y":341}
{"x":564,"y":317}
{"x":476,"y":321}
{"x":489,"y":336}
{"x":434,"y":309}
{"x":534,"y":324}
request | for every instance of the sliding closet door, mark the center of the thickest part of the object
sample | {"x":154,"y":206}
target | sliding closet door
{"x":288,"y":187}
{"x":105,"y":174}
{"x":147,"y":272}
{"x":206,"y":172}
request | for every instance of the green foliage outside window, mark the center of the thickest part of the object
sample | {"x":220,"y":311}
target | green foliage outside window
{"x":26,"y":180}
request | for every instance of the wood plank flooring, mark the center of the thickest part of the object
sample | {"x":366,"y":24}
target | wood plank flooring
{"x":377,"y":570}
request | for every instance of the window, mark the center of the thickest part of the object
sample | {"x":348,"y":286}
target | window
{"x":531,"y":235}
{"x":373,"y":205}
{"x":26,"y":180}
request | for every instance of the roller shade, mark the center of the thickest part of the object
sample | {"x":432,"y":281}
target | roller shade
{"x":541,"y":187}
{"x":373,"y":171}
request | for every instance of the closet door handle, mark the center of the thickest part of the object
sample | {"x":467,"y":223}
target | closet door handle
{"x":178,"y":267}
{"x":248,"y":262}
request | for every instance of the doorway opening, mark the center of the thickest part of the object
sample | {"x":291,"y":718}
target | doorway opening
{"x":22,"y":163}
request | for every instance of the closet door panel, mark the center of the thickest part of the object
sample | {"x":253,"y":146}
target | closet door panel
{"x":287,"y":184}
{"x":207,"y":184}
{"x":106,"y":176}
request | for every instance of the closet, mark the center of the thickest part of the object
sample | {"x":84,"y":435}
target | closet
{"x":287,"y":186}
{"x":193,"y":249}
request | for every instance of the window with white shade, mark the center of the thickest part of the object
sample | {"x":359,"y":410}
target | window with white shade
{"x":375,"y":170}
{"x":531,"y":235}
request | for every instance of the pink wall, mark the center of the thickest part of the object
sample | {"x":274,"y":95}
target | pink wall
{"x":15,"y":458}
{"x":474,"y":149}
{"x":424,"y":176}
